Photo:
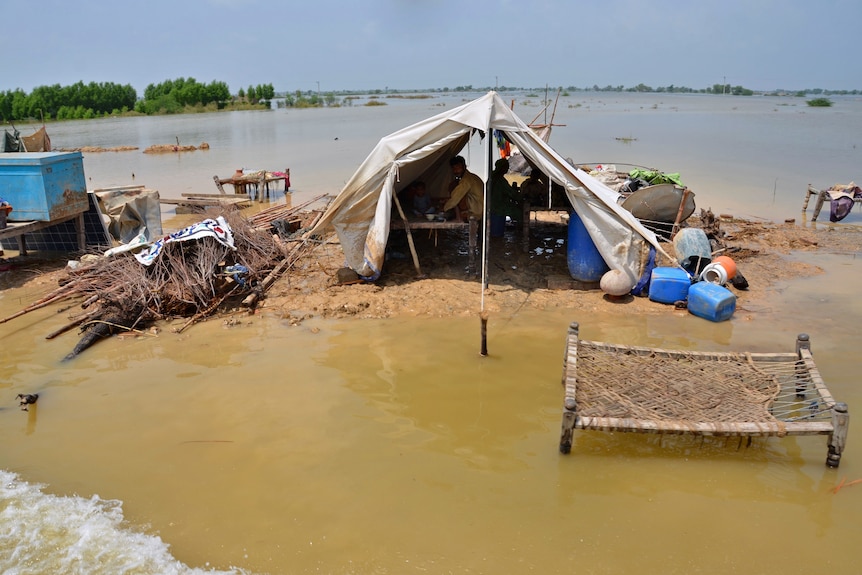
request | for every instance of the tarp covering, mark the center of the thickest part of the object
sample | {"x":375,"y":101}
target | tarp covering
{"x":134,"y":213}
{"x":37,"y":142}
{"x":361,"y":211}
{"x":217,"y":229}
{"x":10,"y":142}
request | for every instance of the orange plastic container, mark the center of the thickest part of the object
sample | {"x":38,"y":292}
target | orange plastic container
{"x":728,"y":264}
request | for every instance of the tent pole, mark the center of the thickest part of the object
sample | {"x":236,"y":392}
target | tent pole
{"x":409,"y":236}
{"x":485,"y":223}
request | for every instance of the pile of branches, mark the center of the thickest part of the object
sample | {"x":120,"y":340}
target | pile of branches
{"x":189,"y":279}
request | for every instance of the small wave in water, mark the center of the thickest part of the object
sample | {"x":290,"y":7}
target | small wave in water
{"x":41,"y":533}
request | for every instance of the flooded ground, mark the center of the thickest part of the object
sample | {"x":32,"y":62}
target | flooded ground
{"x":352,"y":445}
{"x":383,"y":446}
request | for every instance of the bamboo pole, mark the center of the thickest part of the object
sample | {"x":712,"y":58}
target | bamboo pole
{"x":53,"y":297}
{"x":409,"y":236}
{"x":262,"y":219}
{"x":74,"y":323}
{"x":483,"y":315}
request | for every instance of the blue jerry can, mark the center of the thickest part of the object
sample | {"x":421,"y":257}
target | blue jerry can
{"x":711,"y":301}
{"x":669,"y":285}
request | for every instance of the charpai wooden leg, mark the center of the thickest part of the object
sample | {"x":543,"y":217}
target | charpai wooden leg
{"x":570,"y":403}
{"x":838,"y":437}
{"x":821,"y":197}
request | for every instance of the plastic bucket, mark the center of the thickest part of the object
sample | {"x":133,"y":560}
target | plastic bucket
{"x":585,"y":262}
{"x":498,"y":226}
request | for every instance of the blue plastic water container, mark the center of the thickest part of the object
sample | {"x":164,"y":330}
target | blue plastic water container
{"x":586,"y":264}
{"x":669,"y":285}
{"x":711,"y":301}
{"x":498,"y":226}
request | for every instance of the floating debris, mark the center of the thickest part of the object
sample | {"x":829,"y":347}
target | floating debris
{"x":27,"y":399}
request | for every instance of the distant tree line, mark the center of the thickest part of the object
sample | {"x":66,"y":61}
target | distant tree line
{"x":257,"y":94}
{"x":188,"y":95}
{"x":67,"y":102}
{"x":94,"y":100}
{"x":310,"y":99}
{"x":714,"y":89}
{"x":174,"y":96}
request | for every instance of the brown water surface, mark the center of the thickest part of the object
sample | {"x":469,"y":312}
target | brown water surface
{"x":391,"y":446}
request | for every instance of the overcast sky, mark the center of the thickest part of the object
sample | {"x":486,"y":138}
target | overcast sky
{"x":414,"y":44}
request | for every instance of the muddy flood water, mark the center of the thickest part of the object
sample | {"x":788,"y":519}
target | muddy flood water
{"x":391,"y":446}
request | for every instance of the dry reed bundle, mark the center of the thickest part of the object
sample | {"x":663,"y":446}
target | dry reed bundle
{"x":188,"y":279}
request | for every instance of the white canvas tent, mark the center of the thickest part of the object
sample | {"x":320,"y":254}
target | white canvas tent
{"x":360,"y":214}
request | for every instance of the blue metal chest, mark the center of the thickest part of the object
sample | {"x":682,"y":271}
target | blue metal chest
{"x":43,"y":186}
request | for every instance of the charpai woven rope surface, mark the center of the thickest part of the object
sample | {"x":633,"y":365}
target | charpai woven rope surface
{"x":623,"y":383}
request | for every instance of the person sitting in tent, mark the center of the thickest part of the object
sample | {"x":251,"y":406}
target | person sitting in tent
{"x":421,"y":199}
{"x":505,"y":199}
{"x":535,"y":188}
{"x":469,"y":187}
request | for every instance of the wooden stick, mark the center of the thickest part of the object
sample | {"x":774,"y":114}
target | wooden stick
{"x":74,"y":323}
{"x":38,"y":305}
{"x":484,"y":317}
{"x":288,"y":261}
{"x":685,"y":193}
{"x":409,"y":236}
{"x":844,"y":483}
{"x":205,"y":312}
{"x":90,"y":300}
{"x":262,"y":219}
{"x":811,"y":190}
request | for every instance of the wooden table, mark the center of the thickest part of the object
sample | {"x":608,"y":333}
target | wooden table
{"x":471,"y":226}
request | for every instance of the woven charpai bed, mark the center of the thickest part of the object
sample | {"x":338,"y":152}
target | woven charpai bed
{"x":648,"y":390}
